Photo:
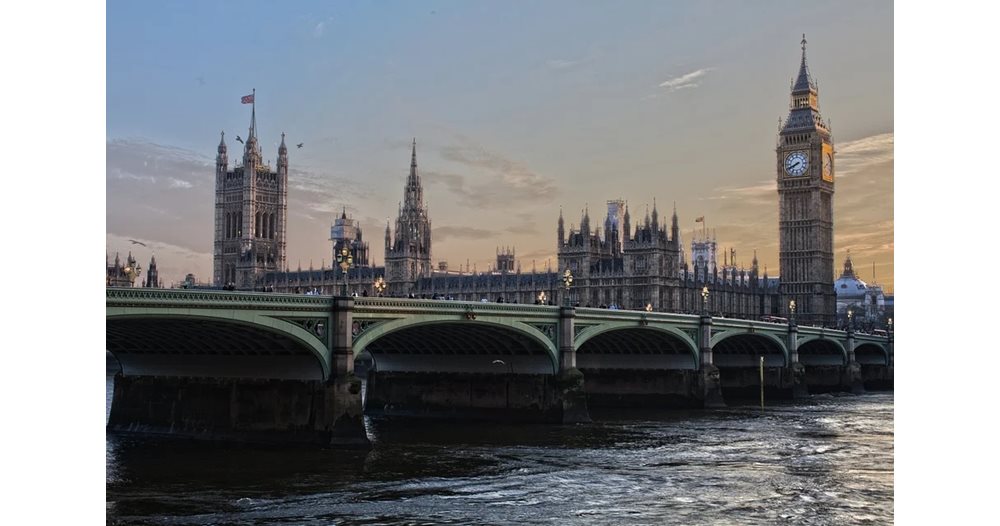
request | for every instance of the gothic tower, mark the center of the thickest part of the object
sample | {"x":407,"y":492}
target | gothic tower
{"x":152,"y":275}
{"x":250,"y":213}
{"x":805,"y":192}
{"x":408,"y":253}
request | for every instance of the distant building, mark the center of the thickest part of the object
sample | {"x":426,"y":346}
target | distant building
{"x":250,"y":214}
{"x":122,"y":274}
{"x":152,"y":275}
{"x":347,"y":231}
{"x":868,"y":303}
{"x":408,"y":249}
{"x":805,"y":169}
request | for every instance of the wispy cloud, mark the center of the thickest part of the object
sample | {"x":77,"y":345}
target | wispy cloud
{"x":687,"y":80}
{"x":461,"y":232}
{"x":319,"y":29}
{"x":492,"y":181}
{"x":858,"y":155}
{"x":566,"y":64}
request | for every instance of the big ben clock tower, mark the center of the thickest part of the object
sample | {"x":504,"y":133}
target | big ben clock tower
{"x":805,"y":167}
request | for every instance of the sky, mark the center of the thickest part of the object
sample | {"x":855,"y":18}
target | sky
{"x":519,"y":110}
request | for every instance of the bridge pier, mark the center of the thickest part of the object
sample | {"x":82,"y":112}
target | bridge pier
{"x":851,"y":378}
{"x":570,"y":380}
{"x":709,"y":379}
{"x":346,"y":417}
{"x":796,"y":374}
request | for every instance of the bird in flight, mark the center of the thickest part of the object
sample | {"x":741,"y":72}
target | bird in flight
{"x":299,"y":145}
{"x":239,"y":140}
{"x":134,"y":242}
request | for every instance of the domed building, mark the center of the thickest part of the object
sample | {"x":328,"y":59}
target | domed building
{"x":866,"y":302}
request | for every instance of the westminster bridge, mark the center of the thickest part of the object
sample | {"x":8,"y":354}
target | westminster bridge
{"x":280,"y":367}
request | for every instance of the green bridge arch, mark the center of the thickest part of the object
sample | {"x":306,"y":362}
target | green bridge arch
{"x":724,"y":335}
{"x":303,"y":338}
{"x":384,"y":328}
{"x":591,"y":332}
{"x":814,"y":338}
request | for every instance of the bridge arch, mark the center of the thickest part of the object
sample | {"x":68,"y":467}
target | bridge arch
{"x":817,"y":350}
{"x":871,"y":353}
{"x":635,"y":347}
{"x":429,"y":344}
{"x":165,"y":342}
{"x":735,"y":348}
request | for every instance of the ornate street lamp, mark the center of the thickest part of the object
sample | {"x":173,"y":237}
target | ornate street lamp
{"x":649,"y":307}
{"x":567,"y":282}
{"x":704,"y":299}
{"x":131,"y":273}
{"x":850,"y":319}
{"x":379,"y":286}
{"x":542,"y":298}
{"x":791,"y":310}
{"x":890,"y":323}
{"x":345,"y":259}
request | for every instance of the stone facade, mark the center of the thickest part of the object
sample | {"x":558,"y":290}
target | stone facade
{"x":250,"y":214}
{"x":408,"y":252}
{"x":805,"y":169}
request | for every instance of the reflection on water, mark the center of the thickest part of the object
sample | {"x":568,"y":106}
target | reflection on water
{"x":825,"y":460}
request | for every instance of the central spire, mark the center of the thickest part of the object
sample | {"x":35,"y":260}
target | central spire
{"x":804,"y":81}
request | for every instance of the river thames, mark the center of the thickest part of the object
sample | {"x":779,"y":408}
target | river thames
{"x":823,"y":460}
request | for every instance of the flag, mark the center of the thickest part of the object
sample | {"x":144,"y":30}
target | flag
{"x":247,"y":99}
{"x":700,"y":219}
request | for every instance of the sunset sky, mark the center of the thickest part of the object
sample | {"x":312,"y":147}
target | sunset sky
{"x":518,"y":109}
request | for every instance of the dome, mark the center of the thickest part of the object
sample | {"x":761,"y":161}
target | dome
{"x":848,"y":286}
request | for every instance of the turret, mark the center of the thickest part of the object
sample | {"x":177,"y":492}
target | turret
{"x":675,"y":230}
{"x":628,"y":224}
{"x":656,"y":218}
{"x":282,"y":153}
{"x":222,"y":159}
{"x":561,"y":230}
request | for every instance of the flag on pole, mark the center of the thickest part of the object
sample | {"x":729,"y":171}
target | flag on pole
{"x":700,"y":219}
{"x":247,"y":99}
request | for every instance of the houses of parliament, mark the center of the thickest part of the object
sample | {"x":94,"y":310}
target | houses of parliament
{"x":622,"y":262}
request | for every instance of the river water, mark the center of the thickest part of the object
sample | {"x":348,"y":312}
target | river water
{"x":823,"y":460}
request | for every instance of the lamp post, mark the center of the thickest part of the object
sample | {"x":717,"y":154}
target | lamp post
{"x":649,"y":307}
{"x":567,"y":282}
{"x":791,"y":312}
{"x":379,"y":286}
{"x":704,"y":299}
{"x":132,"y":272}
{"x":889,"y":322}
{"x":850,"y":320}
{"x":345,"y":259}
{"x":542,"y":298}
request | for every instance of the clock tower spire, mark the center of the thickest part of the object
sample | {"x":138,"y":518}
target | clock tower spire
{"x":805,"y":193}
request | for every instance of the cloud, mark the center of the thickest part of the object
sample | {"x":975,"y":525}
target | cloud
{"x":858,"y":155}
{"x":687,"y":80}
{"x":179,"y":183}
{"x":460,"y":232}
{"x":558,"y":63}
{"x":318,"y":30}
{"x":173,"y":262}
{"x":492,"y":181}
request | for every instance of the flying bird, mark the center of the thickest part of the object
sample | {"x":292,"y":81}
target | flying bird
{"x":299,"y":145}
{"x":134,"y":242}
{"x":239,"y":140}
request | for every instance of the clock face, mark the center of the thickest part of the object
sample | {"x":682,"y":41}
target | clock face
{"x":828,"y":166}
{"x":796,"y":163}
